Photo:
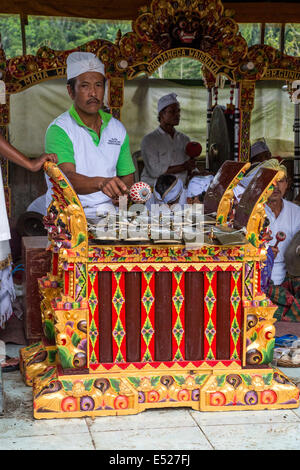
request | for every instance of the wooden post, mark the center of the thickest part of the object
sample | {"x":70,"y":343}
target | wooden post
{"x":246,"y":97}
{"x":297,"y":150}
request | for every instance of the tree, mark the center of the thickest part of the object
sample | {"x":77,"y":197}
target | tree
{"x":68,"y":33}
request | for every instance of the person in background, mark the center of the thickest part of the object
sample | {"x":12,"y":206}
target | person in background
{"x":197,"y":188}
{"x":163,"y":150}
{"x":259,"y":152}
{"x":284,"y":216}
{"x":168,"y":190}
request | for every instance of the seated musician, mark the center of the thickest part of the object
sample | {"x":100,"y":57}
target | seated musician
{"x":272,"y":163}
{"x":163,"y":150}
{"x":168,"y":190}
{"x":284,"y":219}
{"x":259,"y":152}
{"x":92,"y":146}
{"x":197,"y":188}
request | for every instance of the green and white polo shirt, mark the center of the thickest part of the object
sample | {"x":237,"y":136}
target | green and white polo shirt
{"x":74,"y":142}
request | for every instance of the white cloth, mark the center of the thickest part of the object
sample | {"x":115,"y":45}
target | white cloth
{"x":90,"y":159}
{"x":288,"y":222}
{"x":198,"y":185}
{"x":81,"y":62}
{"x":153,"y":200}
{"x":7,"y":290}
{"x":4,"y":225}
{"x":171,"y":194}
{"x":159,"y":151}
{"x":38,"y":205}
{"x":166,"y":100}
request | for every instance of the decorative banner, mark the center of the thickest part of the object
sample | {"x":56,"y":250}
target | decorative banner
{"x":210,"y":311}
{"x":178,"y":316}
{"x":118,"y":317}
{"x":147,"y":316}
{"x":235,"y":315}
{"x":93,"y":332}
{"x":160,"y":59}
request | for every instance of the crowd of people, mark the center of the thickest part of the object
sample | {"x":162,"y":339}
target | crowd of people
{"x":80,"y":141}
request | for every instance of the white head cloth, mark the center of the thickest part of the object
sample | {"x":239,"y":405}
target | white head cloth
{"x":171,"y":194}
{"x":198,"y":185}
{"x":81,"y":62}
{"x":258,"y":147}
{"x":166,"y":100}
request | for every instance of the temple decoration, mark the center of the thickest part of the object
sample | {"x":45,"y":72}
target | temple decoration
{"x":133,"y":325}
{"x":130,"y":325}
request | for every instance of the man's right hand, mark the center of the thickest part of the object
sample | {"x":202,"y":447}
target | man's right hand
{"x":275,"y":250}
{"x":190,"y":164}
{"x":113,"y":187}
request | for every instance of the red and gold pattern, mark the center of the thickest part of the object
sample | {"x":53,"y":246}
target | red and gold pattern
{"x":70,"y":376}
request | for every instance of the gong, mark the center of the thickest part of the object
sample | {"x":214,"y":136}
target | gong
{"x":292,"y":256}
{"x":220,"y":138}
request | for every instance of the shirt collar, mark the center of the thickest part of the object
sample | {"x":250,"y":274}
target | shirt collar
{"x":163,"y":132}
{"x":105,"y":117}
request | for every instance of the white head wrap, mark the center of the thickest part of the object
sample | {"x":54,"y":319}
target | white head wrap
{"x":171,"y":194}
{"x":166,"y":100}
{"x":258,"y":147}
{"x":198,"y":185}
{"x":81,"y":62}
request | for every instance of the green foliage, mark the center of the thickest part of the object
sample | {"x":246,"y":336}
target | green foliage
{"x":67,"y":33}
{"x":55,"y":32}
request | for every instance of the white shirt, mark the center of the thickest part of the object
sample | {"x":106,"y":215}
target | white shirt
{"x":90,"y":159}
{"x":288,"y":222}
{"x":159,"y":151}
{"x":38,"y":205}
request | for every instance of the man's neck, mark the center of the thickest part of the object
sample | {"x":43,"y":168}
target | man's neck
{"x":93,"y":121}
{"x":276,"y":206}
{"x":169,"y":129}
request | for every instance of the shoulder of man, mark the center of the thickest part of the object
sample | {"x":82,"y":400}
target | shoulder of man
{"x":292,"y":206}
{"x":60,"y":120}
{"x":183,"y":136}
{"x":154,"y":134}
{"x":112,"y":121}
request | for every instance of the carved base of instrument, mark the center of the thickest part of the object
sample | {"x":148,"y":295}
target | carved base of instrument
{"x":36,"y":360}
{"x":58,"y":394}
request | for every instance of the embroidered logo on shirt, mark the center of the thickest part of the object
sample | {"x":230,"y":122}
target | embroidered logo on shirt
{"x":114,"y":141}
